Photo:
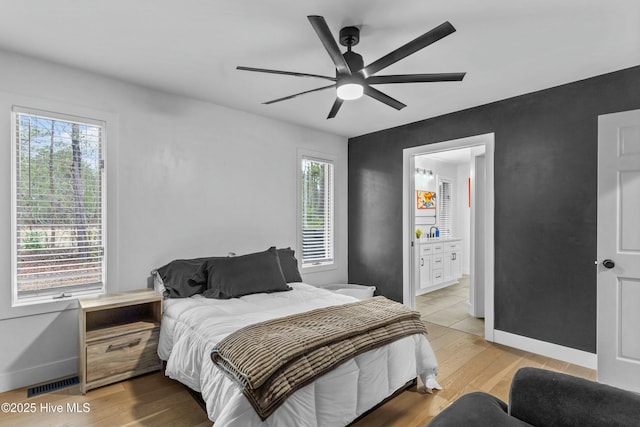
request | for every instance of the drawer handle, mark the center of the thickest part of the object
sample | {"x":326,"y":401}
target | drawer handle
{"x":116,"y":347}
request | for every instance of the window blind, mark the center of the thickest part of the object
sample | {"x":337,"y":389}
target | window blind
{"x":317,"y":212}
{"x":445,"y":220}
{"x":59,"y":207}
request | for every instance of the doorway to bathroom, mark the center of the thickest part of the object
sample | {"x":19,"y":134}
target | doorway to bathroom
{"x":448,"y":233}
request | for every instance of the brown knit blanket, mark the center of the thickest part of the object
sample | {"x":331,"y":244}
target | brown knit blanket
{"x":273,"y":359}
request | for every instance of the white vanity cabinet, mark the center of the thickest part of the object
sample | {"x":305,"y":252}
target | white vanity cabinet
{"x":437,"y":277}
{"x":425,"y":263}
{"x":439,"y":264}
{"x":451,"y":270}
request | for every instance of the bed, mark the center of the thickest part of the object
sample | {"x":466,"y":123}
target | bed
{"x":192,"y":326}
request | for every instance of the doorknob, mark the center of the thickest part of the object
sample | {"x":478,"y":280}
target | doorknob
{"x":607,"y":263}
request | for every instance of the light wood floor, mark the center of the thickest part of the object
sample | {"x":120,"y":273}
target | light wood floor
{"x":467,"y":363}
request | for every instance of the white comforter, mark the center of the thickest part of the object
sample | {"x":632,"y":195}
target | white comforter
{"x":192,"y":326}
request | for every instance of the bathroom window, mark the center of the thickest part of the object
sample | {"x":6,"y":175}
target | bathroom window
{"x":58,"y":203}
{"x":445,"y":212}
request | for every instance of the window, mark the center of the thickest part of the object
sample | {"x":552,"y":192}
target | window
{"x":316,"y":212}
{"x":446,"y":199}
{"x":58,"y":196}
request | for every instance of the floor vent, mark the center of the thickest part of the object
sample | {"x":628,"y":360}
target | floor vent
{"x":52,"y":386}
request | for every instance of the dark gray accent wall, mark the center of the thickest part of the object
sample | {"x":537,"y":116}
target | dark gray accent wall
{"x":545,"y":202}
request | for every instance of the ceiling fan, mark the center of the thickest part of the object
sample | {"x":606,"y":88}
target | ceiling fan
{"x":352,"y":78}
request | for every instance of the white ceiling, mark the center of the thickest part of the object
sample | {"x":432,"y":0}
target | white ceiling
{"x":191,"y":47}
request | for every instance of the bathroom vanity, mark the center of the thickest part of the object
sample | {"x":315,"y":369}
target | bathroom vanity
{"x":439,"y":262}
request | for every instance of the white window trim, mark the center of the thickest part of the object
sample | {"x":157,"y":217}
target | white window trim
{"x":15,"y":301}
{"x":451,"y":183}
{"x":321,"y":157}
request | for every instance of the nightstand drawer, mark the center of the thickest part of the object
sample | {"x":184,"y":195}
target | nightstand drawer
{"x":130,"y":352}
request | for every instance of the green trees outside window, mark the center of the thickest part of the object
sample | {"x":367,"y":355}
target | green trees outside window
{"x":317,"y":212}
{"x":58,"y":202}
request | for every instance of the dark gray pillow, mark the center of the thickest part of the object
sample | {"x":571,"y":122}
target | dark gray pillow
{"x":245,"y":274}
{"x":177,"y":277}
{"x":289,"y":265}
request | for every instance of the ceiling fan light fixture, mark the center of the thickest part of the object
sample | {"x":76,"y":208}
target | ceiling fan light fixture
{"x":349,"y":91}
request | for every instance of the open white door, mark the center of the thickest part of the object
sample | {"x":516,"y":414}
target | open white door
{"x":619,"y":249}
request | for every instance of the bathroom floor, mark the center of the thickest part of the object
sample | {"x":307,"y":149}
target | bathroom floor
{"x":449,"y":307}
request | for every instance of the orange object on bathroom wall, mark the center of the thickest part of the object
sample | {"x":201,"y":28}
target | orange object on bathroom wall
{"x":425,"y":199}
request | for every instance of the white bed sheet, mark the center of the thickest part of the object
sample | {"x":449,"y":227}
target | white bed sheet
{"x":192,"y":326}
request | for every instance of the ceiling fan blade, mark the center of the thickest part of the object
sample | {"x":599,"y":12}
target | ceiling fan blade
{"x":413,"y":46}
{"x":287,"y":73}
{"x":384,"y":98}
{"x":416,"y":78}
{"x":334,"y":109}
{"x":322,"y":29}
{"x":298,"y":94}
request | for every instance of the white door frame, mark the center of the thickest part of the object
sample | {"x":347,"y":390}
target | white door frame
{"x":408,"y":237}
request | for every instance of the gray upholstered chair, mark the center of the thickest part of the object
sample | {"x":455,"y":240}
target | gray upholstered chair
{"x":544,"y":398}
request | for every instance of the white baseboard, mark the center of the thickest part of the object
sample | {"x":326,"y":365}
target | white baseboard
{"x":555,"y":351}
{"x":38,"y":374}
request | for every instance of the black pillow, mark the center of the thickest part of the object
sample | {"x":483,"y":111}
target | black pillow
{"x":289,"y":265}
{"x":245,"y":274}
{"x":177,"y":275}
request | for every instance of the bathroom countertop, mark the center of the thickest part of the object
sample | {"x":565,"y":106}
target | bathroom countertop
{"x":424,"y":240}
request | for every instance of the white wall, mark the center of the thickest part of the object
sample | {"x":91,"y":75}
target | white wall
{"x":185,"y":179}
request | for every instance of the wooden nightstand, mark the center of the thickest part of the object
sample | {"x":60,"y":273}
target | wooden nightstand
{"x":119,"y":335}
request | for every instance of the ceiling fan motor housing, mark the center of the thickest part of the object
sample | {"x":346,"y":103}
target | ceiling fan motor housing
{"x":349,"y":36}
{"x":354,"y":61}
